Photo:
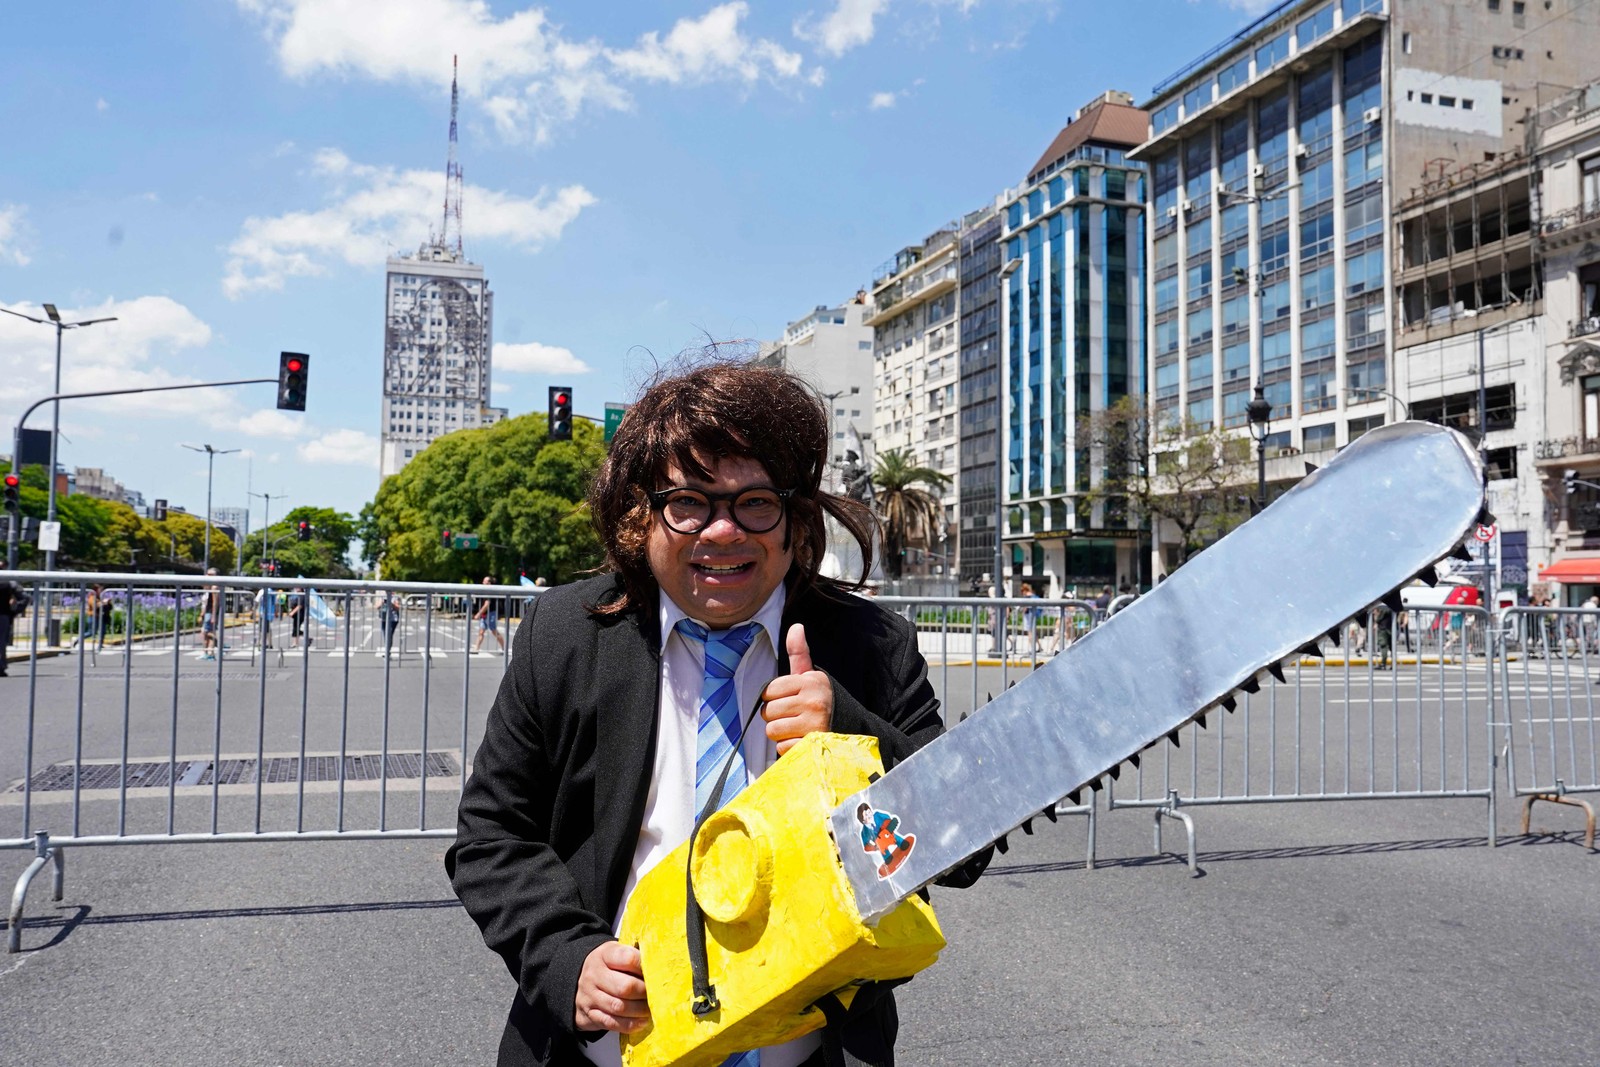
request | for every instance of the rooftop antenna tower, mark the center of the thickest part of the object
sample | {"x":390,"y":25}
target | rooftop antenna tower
{"x":451,"y":237}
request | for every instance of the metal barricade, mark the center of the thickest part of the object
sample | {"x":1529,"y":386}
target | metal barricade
{"x":136,"y":728}
{"x":1386,"y":716}
{"x":979,"y":646}
{"x":1551,"y":717}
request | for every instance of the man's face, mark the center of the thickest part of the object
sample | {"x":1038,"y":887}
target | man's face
{"x":723,"y":574}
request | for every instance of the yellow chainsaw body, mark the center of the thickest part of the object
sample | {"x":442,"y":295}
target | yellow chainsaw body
{"x":782,"y":927}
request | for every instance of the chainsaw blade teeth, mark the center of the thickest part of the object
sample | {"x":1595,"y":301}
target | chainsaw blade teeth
{"x":1311,"y":468}
{"x":1485,"y":516}
{"x":1134,"y":759}
{"x":1173,"y":737}
{"x":1250,"y":685}
{"x":1333,"y":635}
{"x":1461,"y":552}
{"x":1200,"y":721}
{"x":1116,"y":772}
{"x":1002,"y":845}
{"x":1074,"y":798}
{"x":1276,"y":670}
{"x":1393,"y":601}
{"x":1428,"y":575}
{"x":1227,"y":702}
{"x":1027,"y":826}
{"x":1311,"y":648}
{"x":1049,"y":813}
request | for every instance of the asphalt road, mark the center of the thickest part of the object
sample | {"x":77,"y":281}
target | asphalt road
{"x":1333,"y":932}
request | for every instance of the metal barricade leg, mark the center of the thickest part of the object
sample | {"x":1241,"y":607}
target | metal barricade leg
{"x":1170,"y":810}
{"x":1559,"y":797}
{"x":42,"y":854}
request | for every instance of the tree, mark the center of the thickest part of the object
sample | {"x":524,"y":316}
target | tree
{"x":910,"y":514}
{"x":1193,"y":476}
{"x":323,"y":555}
{"x":519,"y":492}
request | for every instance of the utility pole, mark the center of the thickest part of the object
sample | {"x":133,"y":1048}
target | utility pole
{"x":211,"y":458}
{"x":266,"y":522}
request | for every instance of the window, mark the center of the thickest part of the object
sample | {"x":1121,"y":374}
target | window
{"x":1236,"y":362}
{"x":1273,"y":52}
{"x":1460,"y":410}
{"x":1167,"y":380}
{"x":1446,"y":101}
{"x":1236,"y":219}
{"x":1317,"y":438}
{"x":1589,"y":193}
{"x":1198,"y":238}
{"x":1405,"y":43}
{"x":1200,"y":371}
{"x":1234,"y":411}
{"x":1314,"y":26}
{"x":1275,"y":252}
{"x":1316,"y":288}
{"x":1275,"y":301}
{"x":1316,"y":340}
{"x":1360,"y":322}
{"x":1233,"y":75}
{"x":1196,"y":98}
{"x":1316,"y":184}
{"x":1235,"y":267}
{"x":1166,"y":251}
{"x":1166,"y":337}
{"x":1316,"y":235}
{"x":1363,"y":219}
{"x":1199,"y":280}
{"x":1591,"y":407}
{"x":1364,"y":273}
{"x":1427,"y":98}
{"x":1200,"y":412}
{"x":1167,"y":294}
{"x":1236,"y":314}
{"x":1199,"y":326}
{"x":1275,"y":349}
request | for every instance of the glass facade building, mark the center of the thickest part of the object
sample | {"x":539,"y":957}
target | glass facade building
{"x":1072,"y":344}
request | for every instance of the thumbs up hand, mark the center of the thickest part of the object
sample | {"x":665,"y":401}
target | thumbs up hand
{"x":800,"y":702}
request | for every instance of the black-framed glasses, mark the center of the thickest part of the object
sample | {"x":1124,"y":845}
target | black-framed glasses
{"x":754,"y":509}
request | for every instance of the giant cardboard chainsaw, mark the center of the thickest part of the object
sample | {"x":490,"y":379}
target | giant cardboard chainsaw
{"x":806,"y":883}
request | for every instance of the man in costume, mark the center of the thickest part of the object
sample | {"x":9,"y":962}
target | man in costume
{"x":626,"y":693}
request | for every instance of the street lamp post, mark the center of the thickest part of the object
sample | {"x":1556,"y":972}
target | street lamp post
{"x":1009,"y":268}
{"x":55,"y":406}
{"x":1259,"y":411}
{"x":266,"y":522}
{"x":211,"y":459}
{"x":1372,"y":390}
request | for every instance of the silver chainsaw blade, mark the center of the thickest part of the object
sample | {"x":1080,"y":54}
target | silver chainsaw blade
{"x":1386,"y":507}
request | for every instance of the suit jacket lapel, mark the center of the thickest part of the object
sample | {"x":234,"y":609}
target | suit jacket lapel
{"x":626,"y":693}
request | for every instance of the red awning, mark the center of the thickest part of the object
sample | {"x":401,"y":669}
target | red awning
{"x":1573,"y":571}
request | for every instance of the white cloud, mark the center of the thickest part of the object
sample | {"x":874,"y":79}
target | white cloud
{"x":501,"y":389}
{"x":847,"y":26}
{"x":101,"y":106}
{"x":351,"y":447}
{"x":10,"y":235}
{"x":269,"y":422}
{"x":152,"y":336}
{"x":374,"y":209}
{"x":882,"y":100}
{"x":525,"y":73}
{"x":531,"y":357}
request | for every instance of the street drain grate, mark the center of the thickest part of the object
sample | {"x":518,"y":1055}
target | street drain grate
{"x":274,"y":769}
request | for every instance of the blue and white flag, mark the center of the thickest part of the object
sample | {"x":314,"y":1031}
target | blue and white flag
{"x":319,"y":610}
{"x":526,"y":580}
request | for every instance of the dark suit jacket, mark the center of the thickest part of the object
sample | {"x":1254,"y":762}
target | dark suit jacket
{"x":550,"y":817}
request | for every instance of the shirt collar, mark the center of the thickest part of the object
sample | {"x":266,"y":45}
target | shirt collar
{"x":770,"y":617}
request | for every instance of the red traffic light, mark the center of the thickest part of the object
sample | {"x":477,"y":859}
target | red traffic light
{"x":563,"y":398}
{"x":294,"y":366}
{"x":12,"y":481}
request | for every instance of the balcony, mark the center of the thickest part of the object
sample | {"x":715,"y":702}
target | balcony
{"x":1573,"y":226}
{"x":926,"y":284}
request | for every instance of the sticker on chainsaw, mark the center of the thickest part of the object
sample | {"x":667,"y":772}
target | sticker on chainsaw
{"x":880,"y":833}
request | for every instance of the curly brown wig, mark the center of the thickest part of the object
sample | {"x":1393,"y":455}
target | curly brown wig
{"x":694,"y":419}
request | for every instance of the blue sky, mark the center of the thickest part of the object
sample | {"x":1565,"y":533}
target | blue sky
{"x":227,"y":177}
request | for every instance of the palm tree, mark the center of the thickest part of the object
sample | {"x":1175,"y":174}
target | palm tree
{"x":908,"y":512}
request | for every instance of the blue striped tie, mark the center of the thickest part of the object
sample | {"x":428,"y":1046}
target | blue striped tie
{"x":719,"y":709}
{"x":719,"y":730}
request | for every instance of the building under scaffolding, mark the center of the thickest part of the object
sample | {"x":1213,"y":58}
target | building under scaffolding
{"x":437,"y":338}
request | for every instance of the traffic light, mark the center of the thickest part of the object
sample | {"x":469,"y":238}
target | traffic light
{"x":446,"y":541}
{"x":305,"y":531}
{"x":1569,"y":478}
{"x":560,"y":413}
{"x":160,"y":511}
{"x":292,"y":367}
{"x":13,"y":483}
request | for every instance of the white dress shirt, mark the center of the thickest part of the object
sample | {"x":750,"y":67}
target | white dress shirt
{"x":669,"y":809}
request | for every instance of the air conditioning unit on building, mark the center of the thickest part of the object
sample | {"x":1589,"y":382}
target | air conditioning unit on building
{"x":1172,"y":212}
{"x":1222,"y":188}
{"x":1302,"y":150}
{"x":1188,"y":206}
{"x":1371,"y":115}
{"x":1258,"y":171}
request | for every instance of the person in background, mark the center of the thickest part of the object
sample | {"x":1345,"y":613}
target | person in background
{"x":13,"y":602}
{"x":488,"y":616}
{"x":388,"y":619}
{"x":210,"y":617}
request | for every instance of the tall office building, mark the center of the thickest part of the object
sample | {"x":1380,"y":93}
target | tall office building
{"x":437,"y":338}
{"x":1071,"y":345}
{"x":917,"y":368}
{"x":1281,"y":162}
{"x":978,"y":305}
{"x":831,"y":348}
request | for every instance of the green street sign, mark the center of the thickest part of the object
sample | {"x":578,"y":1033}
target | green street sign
{"x":466,"y":542}
{"x":614,"y":413}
